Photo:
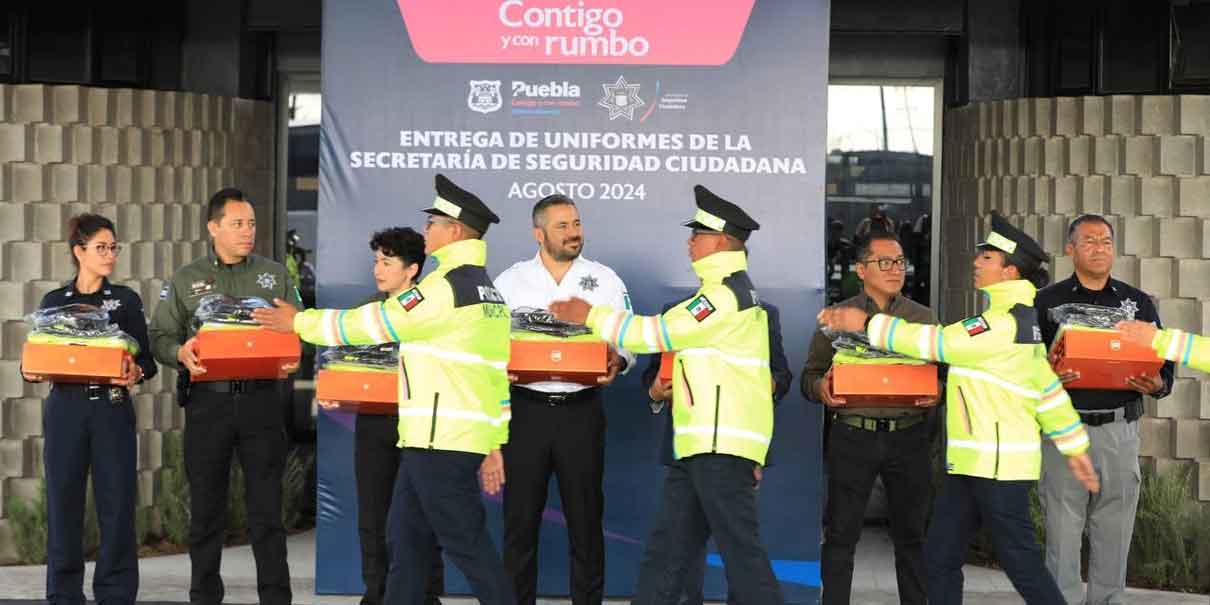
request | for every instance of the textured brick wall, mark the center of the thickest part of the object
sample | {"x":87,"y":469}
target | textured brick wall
{"x":1143,"y":161}
{"x":149,"y":160}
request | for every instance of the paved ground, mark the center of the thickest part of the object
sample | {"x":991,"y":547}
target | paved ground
{"x":166,"y":579}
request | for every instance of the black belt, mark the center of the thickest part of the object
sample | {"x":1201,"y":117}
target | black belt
{"x":879,"y":425}
{"x":95,"y":392}
{"x":581,"y":396}
{"x":233,"y":386}
{"x":1130,"y":412}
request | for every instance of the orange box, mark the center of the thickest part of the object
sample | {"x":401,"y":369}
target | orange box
{"x":74,"y":363}
{"x":884,"y":385}
{"x":361,"y":392}
{"x":1103,"y":358}
{"x":666,"y":360}
{"x":566,"y":361}
{"x":245,"y":354}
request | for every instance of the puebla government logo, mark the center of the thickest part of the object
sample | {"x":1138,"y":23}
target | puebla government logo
{"x":484,"y":96}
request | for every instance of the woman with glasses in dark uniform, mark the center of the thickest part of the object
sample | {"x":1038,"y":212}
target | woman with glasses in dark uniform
{"x":91,"y":428}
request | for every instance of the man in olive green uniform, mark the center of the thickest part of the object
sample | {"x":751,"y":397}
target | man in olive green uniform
{"x":245,"y":415}
{"x":452,"y":329}
{"x":722,"y":409}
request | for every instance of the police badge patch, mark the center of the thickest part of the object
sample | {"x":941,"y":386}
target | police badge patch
{"x":1129,"y":308}
{"x":700,"y":307}
{"x":266,"y":280}
{"x":588,"y":283}
{"x":410,"y":299}
{"x":111,"y":304}
{"x":976,"y":325}
{"x":484,"y":96}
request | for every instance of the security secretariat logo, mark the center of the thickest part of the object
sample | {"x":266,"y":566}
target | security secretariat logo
{"x":484,"y":96}
{"x":621,"y":99}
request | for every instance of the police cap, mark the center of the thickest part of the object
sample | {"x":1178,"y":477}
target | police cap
{"x":717,"y":214}
{"x":458,"y":203}
{"x":1020,"y":248}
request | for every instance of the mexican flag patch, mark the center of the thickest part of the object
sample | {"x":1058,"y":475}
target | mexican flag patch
{"x":410,"y":299}
{"x":700,"y":307}
{"x":976,"y":325}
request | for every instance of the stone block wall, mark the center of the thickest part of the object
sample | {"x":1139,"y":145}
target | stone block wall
{"x":149,"y":160}
{"x":1144,"y":162}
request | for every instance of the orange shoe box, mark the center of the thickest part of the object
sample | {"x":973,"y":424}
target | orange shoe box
{"x":252,"y":354}
{"x":565,"y":361}
{"x":879,"y":385}
{"x":73,"y":363}
{"x":1103,"y":358}
{"x":666,"y":360}
{"x":361,"y":392}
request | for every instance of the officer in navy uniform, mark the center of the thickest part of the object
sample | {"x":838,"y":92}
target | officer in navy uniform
{"x":92,"y":427}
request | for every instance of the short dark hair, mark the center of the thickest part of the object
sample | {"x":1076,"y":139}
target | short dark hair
{"x":864,"y":243}
{"x":1088,"y":218}
{"x":403,"y":243}
{"x":81,"y":229}
{"x":218,"y":202}
{"x":555,"y":199}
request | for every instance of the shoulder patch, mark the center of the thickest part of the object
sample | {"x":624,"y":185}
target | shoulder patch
{"x":410,"y":299}
{"x":164,"y":292}
{"x":741,"y":286}
{"x":976,"y":325}
{"x":472,"y":286}
{"x":700,"y":307}
{"x":1028,"y":331}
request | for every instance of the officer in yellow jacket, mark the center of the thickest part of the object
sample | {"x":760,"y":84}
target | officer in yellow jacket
{"x":1000,"y":394}
{"x":452,"y":329}
{"x":722,"y":406}
{"x":1177,"y":346}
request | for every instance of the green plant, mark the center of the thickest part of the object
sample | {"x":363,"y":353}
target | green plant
{"x":91,"y":537}
{"x":293,"y":483}
{"x":237,"y":508}
{"x":29,"y":525}
{"x":1164,"y":550}
{"x":173,"y":497}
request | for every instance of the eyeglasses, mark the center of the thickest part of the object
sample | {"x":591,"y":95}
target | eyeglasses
{"x":885,"y":264}
{"x":105,"y":249}
{"x":438,"y":221}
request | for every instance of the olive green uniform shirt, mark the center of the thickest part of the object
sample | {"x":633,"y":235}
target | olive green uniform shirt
{"x":172,"y":323}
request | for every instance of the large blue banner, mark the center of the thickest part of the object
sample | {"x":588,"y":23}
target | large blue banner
{"x":624,"y":106}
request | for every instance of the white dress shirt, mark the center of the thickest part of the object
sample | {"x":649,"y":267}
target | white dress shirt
{"x":529,"y":284}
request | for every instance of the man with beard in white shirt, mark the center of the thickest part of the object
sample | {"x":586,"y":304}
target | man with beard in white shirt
{"x":558,"y":427}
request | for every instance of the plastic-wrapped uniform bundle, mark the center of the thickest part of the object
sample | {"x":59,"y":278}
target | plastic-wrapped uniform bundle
{"x":78,"y":324}
{"x":855,"y":348}
{"x":219,"y":311}
{"x":361,"y":358}
{"x":541,"y":321}
{"x":1080,"y":315}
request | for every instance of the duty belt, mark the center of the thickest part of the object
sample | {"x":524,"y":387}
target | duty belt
{"x":233,"y":386}
{"x":880,"y":425}
{"x":553,"y":399}
{"x":96,"y":392}
{"x":1130,"y":412}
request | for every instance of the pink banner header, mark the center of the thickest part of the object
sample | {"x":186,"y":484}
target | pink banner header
{"x":618,"y":32}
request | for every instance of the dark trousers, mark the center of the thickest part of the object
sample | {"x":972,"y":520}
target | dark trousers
{"x":249,"y":423}
{"x":375,"y":464}
{"x":855,"y":458}
{"x":437,"y":502}
{"x":704,"y":495}
{"x":1002,"y":507}
{"x":83,"y":434}
{"x":567,"y":439}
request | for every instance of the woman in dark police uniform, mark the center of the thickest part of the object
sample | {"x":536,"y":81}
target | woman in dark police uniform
{"x":91,"y":427}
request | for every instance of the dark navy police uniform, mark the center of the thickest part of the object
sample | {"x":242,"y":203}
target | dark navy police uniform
{"x":91,"y":427}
